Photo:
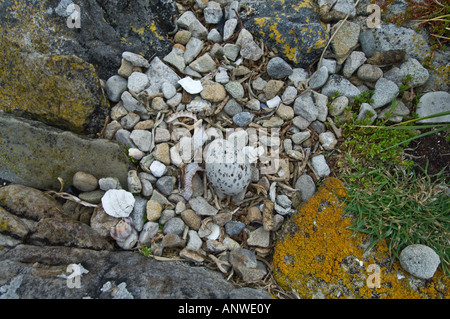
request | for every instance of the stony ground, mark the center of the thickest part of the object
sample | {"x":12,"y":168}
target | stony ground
{"x":221,"y":82}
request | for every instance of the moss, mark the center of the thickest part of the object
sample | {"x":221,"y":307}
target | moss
{"x":319,"y":257}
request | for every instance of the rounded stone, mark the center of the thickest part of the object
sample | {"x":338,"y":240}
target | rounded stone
{"x":369,"y":72}
{"x":85,"y":182}
{"x":154,"y":210}
{"x":115,"y":86}
{"x":214,"y":93}
{"x":419,"y":260}
{"x":243,"y":118}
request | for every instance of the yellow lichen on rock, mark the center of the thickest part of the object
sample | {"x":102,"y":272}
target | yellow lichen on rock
{"x":318,"y":256}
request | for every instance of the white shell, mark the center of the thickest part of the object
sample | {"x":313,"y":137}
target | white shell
{"x":191,"y":86}
{"x":227,"y":168}
{"x":118,"y":203}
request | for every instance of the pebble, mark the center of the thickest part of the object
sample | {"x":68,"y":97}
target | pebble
{"x":182,"y":37}
{"x":146,"y":182}
{"x":366,"y":111}
{"x":235,"y":89}
{"x":126,"y":68}
{"x":243,"y":119}
{"x":367,"y":41}
{"x":194,"y":242}
{"x":154,"y":210}
{"x":168,"y":90}
{"x":191,"y":219}
{"x":107,"y":183}
{"x":433,"y":103}
{"x":134,"y":183}
{"x":193,"y":49}
{"x":304,"y":106}
{"x":385,"y":92}
{"x":327,"y":140}
{"x":214,"y":36}
{"x":165,"y":185}
{"x":149,"y":231}
{"x":202,"y":207}
{"x":85,"y":182}
{"x":338,"y":83}
{"x":353,"y":62}
{"x":320,"y":165}
{"x":338,"y":105}
{"x":214,"y":92}
{"x":250,"y":50}
{"x":306,"y":185}
{"x":203,"y":64}
{"x":115,"y":86}
{"x":259,"y":237}
{"x":158,"y":169}
{"x":228,"y":29}
{"x":277,"y":68}
{"x":174,"y":225}
{"x":319,"y":78}
{"x":300,"y":137}
{"x":369,"y":72}
{"x":419,"y":260}
{"x":234,"y":228}
{"x":213,"y":13}
{"x":285,"y":112}
{"x":419,"y":74}
{"x":142,"y":139}
{"x":137,"y":82}
{"x":289,"y":95}
{"x":129,"y":121}
{"x":232,"y":107}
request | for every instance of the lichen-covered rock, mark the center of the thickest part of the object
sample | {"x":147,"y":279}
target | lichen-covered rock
{"x":291,"y":27}
{"x":317,"y":256}
{"x":59,"y":90}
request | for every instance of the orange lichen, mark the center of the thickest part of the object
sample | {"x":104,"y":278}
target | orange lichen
{"x":319,"y":256}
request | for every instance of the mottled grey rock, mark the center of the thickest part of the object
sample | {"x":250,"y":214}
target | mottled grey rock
{"x":304,"y":106}
{"x":193,"y":49}
{"x":419,"y":260}
{"x":213,"y":12}
{"x":158,"y":73}
{"x":174,"y":225}
{"x":342,"y":85}
{"x":137,"y":82}
{"x":165,"y":185}
{"x":202,"y":207}
{"x":234,"y":227}
{"x":369,"y":72}
{"x":232,"y":107}
{"x":345,"y":38}
{"x":366,"y":111}
{"x":418,"y":73}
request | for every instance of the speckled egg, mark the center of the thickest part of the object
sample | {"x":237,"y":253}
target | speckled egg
{"x":227,"y":168}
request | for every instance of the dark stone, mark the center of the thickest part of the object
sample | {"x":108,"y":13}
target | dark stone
{"x":30,"y":272}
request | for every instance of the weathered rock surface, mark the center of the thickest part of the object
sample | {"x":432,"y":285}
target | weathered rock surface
{"x":107,"y":28}
{"x":35,"y":155}
{"x":30,"y":272}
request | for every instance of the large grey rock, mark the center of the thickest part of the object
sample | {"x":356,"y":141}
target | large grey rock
{"x":26,"y":273}
{"x":342,"y":85}
{"x":385,"y":92}
{"x":419,"y":260}
{"x":433,"y":103}
{"x":393,"y":37}
{"x":34,"y":154}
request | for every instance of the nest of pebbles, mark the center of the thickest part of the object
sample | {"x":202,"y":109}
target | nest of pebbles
{"x":219,"y":80}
